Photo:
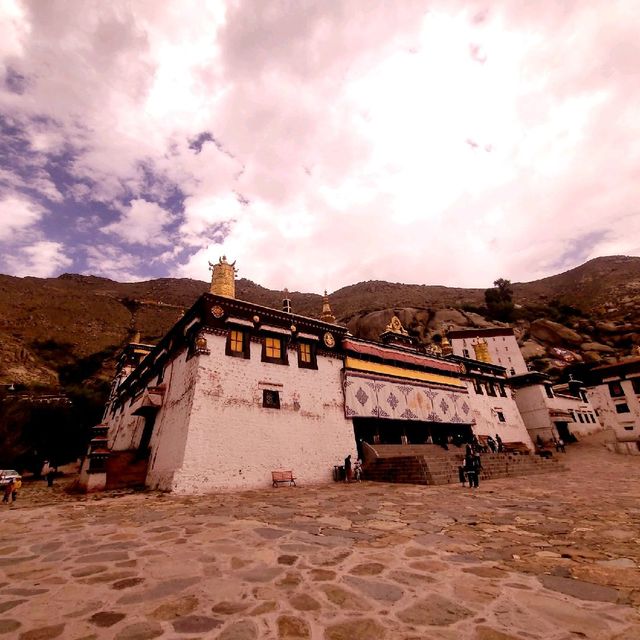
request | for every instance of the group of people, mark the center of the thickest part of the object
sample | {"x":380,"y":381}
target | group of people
{"x":352,"y":472}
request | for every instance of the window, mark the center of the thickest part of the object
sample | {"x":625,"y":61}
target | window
{"x":270,"y":399}
{"x":503,"y":391}
{"x":573,"y":415}
{"x":238,"y":344}
{"x":500,"y":416}
{"x":477,"y":385}
{"x":615,"y":390}
{"x":583,"y":395}
{"x":635,"y":383}
{"x":491,"y":390}
{"x":623,"y":407}
{"x":580,"y":417}
{"x":628,"y":427}
{"x":307,"y":356}
{"x":592,"y":418}
{"x":465,"y":353}
{"x":548,"y":390}
{"x":273,"y":350}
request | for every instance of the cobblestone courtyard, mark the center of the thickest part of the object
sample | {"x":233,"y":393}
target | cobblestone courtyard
{"x":552,"y":556}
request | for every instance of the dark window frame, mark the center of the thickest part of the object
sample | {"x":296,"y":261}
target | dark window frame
{"x":500,"y":416}
{"x":246,"y":344}
{"x":549,"y":391}
{"x":491,"y":390}
{"x":313,"y":362}
{"x":635,"y":385}
{"x":622,"y":407}
{"x":502,"y":390}
{"x":619,"y":391}
{"x":270,"y":399}
{"x":284,"y":358}
{"x":477,"y":385}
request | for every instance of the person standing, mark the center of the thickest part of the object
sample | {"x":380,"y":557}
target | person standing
{"x":47,"y":472}
{"x":357,"y":470}
{"x":17,"y":485}
{"x":347,"y":468}
{"x":500,"y":443}
{"x":8,"y":491}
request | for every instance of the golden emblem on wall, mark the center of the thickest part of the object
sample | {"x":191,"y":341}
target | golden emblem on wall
{"x":217,"y":311}
{"x":256,"y":319}
{"x":481,"y":349}
{"x":329,"y":340}
{"x":293,"y":328}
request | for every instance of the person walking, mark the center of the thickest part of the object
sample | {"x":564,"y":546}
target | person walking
{"x":347,"y":468}
{"x":47,"y":472}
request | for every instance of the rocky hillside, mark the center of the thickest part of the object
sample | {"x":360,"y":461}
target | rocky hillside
{"x":70,"y":328}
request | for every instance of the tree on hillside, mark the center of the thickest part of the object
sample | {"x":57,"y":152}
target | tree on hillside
{"x":499,"y":300}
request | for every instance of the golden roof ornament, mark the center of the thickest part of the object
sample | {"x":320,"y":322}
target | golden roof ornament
{"x":223,"y":278}
{"x":327,"y":314}
{"x":447,"y":349}
{"x":395,"y":326}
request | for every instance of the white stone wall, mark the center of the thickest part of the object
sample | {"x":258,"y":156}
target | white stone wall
{"x":535,"y":405}
{"x":484,"y":411}
{"x":626,"y":426}
{"x":171,"y":424}
{"x":578,"y":406}
{"x":533,"y":408}
{"x":233,"y":442}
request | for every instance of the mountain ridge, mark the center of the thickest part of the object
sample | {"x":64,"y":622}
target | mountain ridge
{"x":51,"y":323}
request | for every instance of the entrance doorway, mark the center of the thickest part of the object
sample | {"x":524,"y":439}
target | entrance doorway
{"x":381,"y":431}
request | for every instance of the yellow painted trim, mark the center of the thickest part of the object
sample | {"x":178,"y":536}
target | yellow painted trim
{"x":399,"y":372}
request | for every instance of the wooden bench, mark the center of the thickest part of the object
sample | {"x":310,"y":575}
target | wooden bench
{"x":516,"y":447}
{"x":282,"y":476}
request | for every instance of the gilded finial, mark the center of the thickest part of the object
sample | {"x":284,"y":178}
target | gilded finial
{"x":223,"y":278}
{"x":327,"y":314}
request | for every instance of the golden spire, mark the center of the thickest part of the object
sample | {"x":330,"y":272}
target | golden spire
{"x":223,"y":278}
{"x":327,"y":314}
{"x":445,"y":345}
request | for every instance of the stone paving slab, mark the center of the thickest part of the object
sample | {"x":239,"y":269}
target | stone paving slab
{"x":551,"y":557}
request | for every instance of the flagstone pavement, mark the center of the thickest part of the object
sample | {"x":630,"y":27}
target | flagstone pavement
{"x":551,"y":557}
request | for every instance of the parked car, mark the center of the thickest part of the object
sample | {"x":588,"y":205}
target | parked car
{"x":7,"y":475}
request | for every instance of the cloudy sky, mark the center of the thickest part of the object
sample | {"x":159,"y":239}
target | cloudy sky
{"x":318,"y":142}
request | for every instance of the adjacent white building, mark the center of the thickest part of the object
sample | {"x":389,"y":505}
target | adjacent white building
{"x":496,"y":345}
{"x":614,"y":391}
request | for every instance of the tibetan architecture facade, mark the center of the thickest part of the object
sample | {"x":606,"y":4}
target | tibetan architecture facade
{"x":614,"y":390}
{"x":236,"y":390}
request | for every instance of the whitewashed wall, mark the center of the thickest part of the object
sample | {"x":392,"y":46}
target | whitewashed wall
{"x":233,"y":442}
{"x":626,"y":426}
{"x":484,"y":410}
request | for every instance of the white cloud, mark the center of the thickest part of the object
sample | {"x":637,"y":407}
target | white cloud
{"x":142,"y":223}
{"x":17,"y":214}
{"x":41,"y":259}
{"x":387,"y":141}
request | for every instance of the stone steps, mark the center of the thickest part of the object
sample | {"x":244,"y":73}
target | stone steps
{"x":439,"y":466}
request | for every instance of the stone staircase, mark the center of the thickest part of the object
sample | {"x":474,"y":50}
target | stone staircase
{"x":431,"y":464}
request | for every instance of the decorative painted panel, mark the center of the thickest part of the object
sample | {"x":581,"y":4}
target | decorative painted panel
{"x":367,"y":397}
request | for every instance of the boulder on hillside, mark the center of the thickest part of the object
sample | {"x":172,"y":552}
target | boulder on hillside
{"x":476,"y":320}
{"x":448,"y":317}
{"x":591,"y":357}
{"x":597,"y":346}
{"x":553,"y":333}
{"x":531,"y":349}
